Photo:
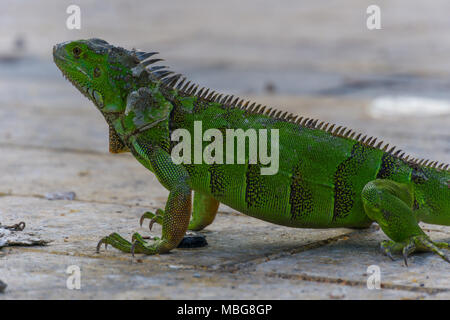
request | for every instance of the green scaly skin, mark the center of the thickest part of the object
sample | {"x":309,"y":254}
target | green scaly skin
{"x":327,"y":177}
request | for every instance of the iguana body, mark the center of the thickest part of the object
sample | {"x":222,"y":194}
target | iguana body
{"x":328,"y":177}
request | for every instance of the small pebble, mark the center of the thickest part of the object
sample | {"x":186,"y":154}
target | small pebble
{"x":60,"y":195}
{"x":172,"y":266}
{"x":338,"y":293}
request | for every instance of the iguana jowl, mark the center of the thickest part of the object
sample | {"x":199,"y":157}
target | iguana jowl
{"x":328,"y":176}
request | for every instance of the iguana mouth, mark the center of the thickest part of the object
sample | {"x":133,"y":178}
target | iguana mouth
{"x":62,"y":63}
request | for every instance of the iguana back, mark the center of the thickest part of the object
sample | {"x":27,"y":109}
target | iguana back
{"x":322,"y":170}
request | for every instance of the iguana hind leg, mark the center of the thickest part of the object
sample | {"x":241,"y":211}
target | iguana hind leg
{"x":205,"y":210}
{"x":390,"y":204}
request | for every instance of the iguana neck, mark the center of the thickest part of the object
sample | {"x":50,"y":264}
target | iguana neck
{"x":145,"y":115}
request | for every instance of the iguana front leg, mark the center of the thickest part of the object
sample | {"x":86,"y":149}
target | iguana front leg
{"x":205,"y":210}
{"x":178,"y":207}
{"x":390,"y":204}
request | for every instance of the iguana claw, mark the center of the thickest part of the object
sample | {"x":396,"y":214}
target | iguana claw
{"x":99,"y":245}
{"x":154,"y":217}
{"x":133,"y":246}
{"x":407,"y":250}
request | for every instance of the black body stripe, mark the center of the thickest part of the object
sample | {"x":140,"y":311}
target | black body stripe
{"x":387,"y":167}
{"x":344,"y":193}
{"x":300,"y":196}
{"x":218,"y":180}
{"x":254,"y":187}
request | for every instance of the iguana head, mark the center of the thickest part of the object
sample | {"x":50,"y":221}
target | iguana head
{"x":121,"y":83}
{"x":102,"y":72}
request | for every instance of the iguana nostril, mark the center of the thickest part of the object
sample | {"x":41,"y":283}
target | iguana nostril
{"x":56,"y":49}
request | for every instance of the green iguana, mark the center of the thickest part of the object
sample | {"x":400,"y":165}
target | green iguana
{"x":328,"y":177}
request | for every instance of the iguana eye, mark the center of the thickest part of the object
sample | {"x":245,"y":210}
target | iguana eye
{"x":76,"y":52}
{"x":97,"y":72}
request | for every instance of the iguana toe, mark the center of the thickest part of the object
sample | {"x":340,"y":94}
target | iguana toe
{"x":154,"y":217}
{"x":115,"y":240}
{"x":386,"y":248}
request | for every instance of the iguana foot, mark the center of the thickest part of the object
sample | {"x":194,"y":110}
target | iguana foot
{"x":141,"y":246}
{"x":138,"y":244}
{"x":154,"y":217}
{"x":390,"y":204}
{"x":387,"y":246}
{"x":414,"y":244}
